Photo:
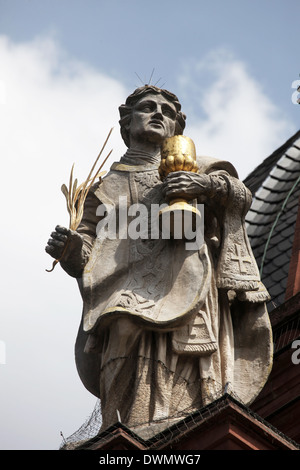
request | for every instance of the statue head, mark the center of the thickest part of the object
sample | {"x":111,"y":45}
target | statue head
{"x":139,"y":94}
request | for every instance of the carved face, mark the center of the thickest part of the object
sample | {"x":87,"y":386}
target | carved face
{"x":153,"y":119}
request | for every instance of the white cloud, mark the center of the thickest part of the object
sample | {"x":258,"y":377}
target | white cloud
{"x":54,"y":111}
{"x":231,"y":117}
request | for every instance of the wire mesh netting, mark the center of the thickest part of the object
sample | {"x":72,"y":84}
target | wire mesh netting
{"x":88,"y":433}
{"x":145,"y":429}
{"x":92,"y":426}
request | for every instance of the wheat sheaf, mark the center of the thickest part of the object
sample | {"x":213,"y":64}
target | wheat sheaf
{"x":76,"y":195}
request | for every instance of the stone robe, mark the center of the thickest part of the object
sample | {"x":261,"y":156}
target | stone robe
{"x":165,"y":329}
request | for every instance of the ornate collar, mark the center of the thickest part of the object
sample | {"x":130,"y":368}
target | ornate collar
{"x":136,"y":161}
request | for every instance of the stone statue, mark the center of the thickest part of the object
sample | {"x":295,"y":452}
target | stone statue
{"x":165,"y":329}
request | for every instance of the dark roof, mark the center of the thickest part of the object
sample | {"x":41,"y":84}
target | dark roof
{"x":275,"y":186}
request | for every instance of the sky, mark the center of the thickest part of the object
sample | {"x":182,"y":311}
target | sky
{"x":65,"y":67}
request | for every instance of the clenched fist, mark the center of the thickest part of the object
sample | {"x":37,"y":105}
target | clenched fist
{"x":59,"y":238}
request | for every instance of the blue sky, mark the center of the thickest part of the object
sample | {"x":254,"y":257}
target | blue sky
{"x":120,"y":38}
{"x":66,"y":66}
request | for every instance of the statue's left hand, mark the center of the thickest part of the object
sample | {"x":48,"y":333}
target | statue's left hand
{"x":186,"y":185}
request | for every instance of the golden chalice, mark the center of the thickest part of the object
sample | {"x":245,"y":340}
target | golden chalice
{"x":178,"y":153}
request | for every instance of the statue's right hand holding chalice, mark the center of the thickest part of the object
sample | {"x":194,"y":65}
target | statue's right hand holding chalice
{"x":181,"y":183}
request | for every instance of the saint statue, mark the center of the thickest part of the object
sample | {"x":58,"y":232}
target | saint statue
{"x":164,"y":328}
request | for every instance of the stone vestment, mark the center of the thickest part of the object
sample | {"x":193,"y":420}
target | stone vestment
{"x":165,"y":329}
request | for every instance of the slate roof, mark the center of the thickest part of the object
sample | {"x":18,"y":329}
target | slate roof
{"x":275,"y":186}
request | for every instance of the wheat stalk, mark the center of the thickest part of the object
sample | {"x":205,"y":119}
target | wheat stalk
{"x":76,"y":195}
